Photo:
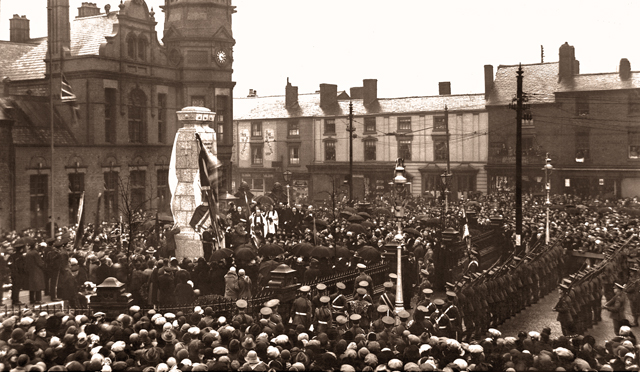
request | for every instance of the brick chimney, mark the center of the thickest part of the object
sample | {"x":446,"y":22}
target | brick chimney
{"x":60,"y":34}
{"x":19,"y":29}
{"x":252,"y":93}
{"x":88,"y":10}
{"x":328,"y":95}
{"x":291,"y":95}
{"x":488,"y":80}
{"x":444,"y":88}
{"x":567,"y":65}
{"x":369,"y":91}
{"x":355,"y":92}
{"x":625,"y":69}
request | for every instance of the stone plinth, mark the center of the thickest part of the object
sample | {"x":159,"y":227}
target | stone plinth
{"x":184,"y":162}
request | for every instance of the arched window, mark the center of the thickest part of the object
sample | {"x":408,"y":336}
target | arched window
{"x":142,"y":48}
{"x":137,"y":112}
{"x":131,"y":45}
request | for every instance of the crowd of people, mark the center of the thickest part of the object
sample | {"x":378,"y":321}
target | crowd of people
{"x":325,"y":328}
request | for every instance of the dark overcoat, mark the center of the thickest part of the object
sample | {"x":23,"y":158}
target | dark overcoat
{"x":35,"y":270}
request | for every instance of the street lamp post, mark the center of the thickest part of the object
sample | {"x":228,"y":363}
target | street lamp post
{"x":287,"y":178}
{"x":548,"y":168}
{"x":399,"y":182}
{"x":446,"y":179}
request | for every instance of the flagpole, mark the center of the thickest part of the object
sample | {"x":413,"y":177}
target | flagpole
{"x":49,"y":47}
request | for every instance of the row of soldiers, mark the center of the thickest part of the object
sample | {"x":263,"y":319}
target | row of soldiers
{"x":487,"y":299}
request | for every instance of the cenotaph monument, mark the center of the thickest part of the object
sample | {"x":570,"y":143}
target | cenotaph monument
{"x":183,"y":175}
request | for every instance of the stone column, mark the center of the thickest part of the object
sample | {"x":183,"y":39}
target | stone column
{"x":184,"y":162}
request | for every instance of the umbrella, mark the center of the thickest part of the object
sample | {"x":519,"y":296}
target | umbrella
{"x":342,"y":251}
{"x":264,"y":200}
{"x":365,"y":215}
{"x":270,"y":249}
{"x":303,"y":249}
{"x":220,"y":254}
{"x":368,"y":224}
{"x":345,"y":214}
{"x":357,"y":228}
{"x":350,"y":210}
{"x":369,"y":253}
{"x":321,"y":223}
{"x":355,"y":218}
{"x":605,"y":210}
{"x":432,"y":222}
{"x":248,"y":246}
{"x":165,"y":217}
{"x":557,"y":207}
{"x":573,"y":211}
{"x":382,"y":211}
{"x":412,"y":231}
{"x":581,"y":206}
{"x":473,"y":203}
{"x":245,"y":254}
{"x":321,"y":252}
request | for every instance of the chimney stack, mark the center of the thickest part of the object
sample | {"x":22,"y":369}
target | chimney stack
{"x":444,"y":88}
{"x":291,"y":95}
{"x":60,"y":34}
{"x":355,"y":92}
{"x":625,"y":69}
{"x":568,"y":66}
{"x":252,"y":93}
{"x":19,"y":29}
{"x":369,"y":91}
{"x":488,"y":80}
{"x":88,"y":10}
{"x":328,"y":95}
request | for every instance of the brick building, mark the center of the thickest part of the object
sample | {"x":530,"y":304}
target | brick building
{"x":118,"y":139}
{"x":307,"y":135}
{"x":588,"y":123}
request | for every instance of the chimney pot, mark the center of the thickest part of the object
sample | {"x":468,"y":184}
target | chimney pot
{"x":19,"y":29}
{"x":567,"y":66}
{"x":625,"y":69}
{"x":88,"y":9}
{"x":444,"y":88}
{"x":291,"y":95}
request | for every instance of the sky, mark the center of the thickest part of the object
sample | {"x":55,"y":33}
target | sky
{"x":407,"y":45}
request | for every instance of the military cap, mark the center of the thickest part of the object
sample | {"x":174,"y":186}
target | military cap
{"x":361,"y":266}
{"x":393,"y":276}
{"x":388,"y":285}
{"x":465,"y":277}
{"x":422,"y":309}
{"x":449,"y":284}
{"x":438,"y":302}
{"x":305,"y":288}
{"x":404,"y":314}
{"x":427,"y":291}
{"x":363,"y":283}
{"x":361,"y":291}
{"x":451,"y":294}
{"x":517,"y":258}
{"x":382,"y":308}
{"x":321,"y":286}
{"x":341,"y":285}
{"x":272,"y":303}
{"x":387,"y":320}
{"x":355,"y":317}
{"x":424,"y":271}
{"x":241,"y":304}
{"x":325,"y":299}
{"x":341,"y":319}
{"x":266,"y":311}
{"x":620,"y":286}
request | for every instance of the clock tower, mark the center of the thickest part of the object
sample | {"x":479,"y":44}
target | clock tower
{"x":199,"y":45}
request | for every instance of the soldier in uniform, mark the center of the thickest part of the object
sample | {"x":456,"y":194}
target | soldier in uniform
{"x":382,"y":311}
{"x":324,"y":320}
{"x":402,"y":326}
{"x":244,"y":319}
{"x":367,"y":297}
{"x":342,"y":324}
{"x":361,"y":307}
{"x":426,"y":301}
{"x":320,"y":291}
{"x":339,"y":301}
{"x":362,"y":276}
{"x":301,"y":308}
{"x":275,"y":315}
{"x":388,"y":298}
{"x":265,"y":320}
{"x":355,"y":329}
{"x":633,"y":294}
{"x":454,"y":314}
{"x":563,"y":308}
{"x":386,"y":334}
{"x":617,"y":306}
{"x":440,"y":320}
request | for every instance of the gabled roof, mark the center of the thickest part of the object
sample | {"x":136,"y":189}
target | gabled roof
{"x":11,"y":52}
{"x":273,"y":107}
{"x":87,"y":34}
{"x":31,"y":121}
{"x":539,"y":82}
{"x":597,"y":82}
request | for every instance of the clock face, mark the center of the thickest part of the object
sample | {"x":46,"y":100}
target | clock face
{"x":221,"y":57}
{"x":174,"y":57}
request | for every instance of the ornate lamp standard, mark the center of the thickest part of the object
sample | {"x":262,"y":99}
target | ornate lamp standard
{"x":548,"y":168}
{"x":287,"y":178}
{"x":446,"y":180}
{"x":399,"y":182}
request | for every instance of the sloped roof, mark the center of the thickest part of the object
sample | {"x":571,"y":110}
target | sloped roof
{"x":87,"y":34}
{"x":539,"y":82}
{"x":11,"y":52}
{"x":31,"y":121}
{"x":602,"y":81}
{"x":273,"y":107}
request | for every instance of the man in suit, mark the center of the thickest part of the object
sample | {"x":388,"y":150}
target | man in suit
{"x":34,"y":265}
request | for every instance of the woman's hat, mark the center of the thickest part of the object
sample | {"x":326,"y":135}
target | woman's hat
{"x":252,"y":357}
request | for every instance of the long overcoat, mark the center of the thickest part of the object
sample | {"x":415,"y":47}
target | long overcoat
{"x":35,"y":270}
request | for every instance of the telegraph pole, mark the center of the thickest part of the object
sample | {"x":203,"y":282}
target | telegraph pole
{"x":448,"y":176}
{"x":351,"y":130}
{"x":519,"y":109}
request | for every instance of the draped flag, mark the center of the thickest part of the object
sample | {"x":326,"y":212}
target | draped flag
{"x":173,"y":176}
{"x":80,"y":229}
{"x":466,"y":236}
{"x":208,"y":165}
{"x":66,"y":93}
{"x":96,"y":226}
